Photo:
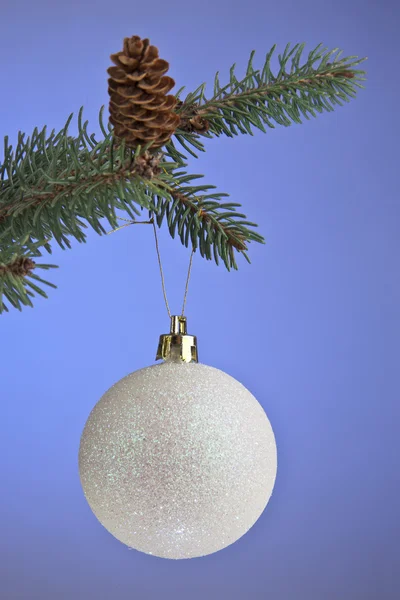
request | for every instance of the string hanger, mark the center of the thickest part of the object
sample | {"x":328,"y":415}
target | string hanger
{"x":151,"y":222}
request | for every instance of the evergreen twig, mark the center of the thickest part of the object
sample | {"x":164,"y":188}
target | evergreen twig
{"x":53,"y":187}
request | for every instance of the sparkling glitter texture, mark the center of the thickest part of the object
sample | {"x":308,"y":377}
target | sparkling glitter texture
{"x":178,"y":460}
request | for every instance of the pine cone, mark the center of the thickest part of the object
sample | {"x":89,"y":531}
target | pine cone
{"x":140,"y":110}
{"x":192,"y":121}
{"x":20,"y":267}
{"x":147,"y":165}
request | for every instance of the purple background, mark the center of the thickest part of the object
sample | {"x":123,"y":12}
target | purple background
{"x":311,"y":327}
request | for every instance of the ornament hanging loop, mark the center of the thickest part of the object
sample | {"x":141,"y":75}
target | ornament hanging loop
{"x":177,"y":345}
{"x":152,"y":222}
{"x":162,"y":273}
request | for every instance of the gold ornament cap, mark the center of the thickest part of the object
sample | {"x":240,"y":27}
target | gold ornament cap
{"x":178,"y":344}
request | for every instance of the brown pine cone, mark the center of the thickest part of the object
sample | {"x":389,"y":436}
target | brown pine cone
{"x":147,"y":165}
{"x":192,"y":121}
{"x":21,"y":267}
{"x":140,"y":109}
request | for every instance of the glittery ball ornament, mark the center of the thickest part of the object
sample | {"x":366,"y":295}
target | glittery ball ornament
{"x":178,"y":460}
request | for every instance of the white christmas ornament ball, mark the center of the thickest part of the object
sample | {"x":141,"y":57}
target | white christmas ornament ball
{"x":178,"y":460}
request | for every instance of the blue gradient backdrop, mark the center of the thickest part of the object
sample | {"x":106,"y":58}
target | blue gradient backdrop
{"x":311,"y":327}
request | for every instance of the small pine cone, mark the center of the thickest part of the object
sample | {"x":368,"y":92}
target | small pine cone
{"x":20,"y":267}
{"x":199,"y":124}
{"x":140,"y":109}
{"x":146,"y":165}
{"x":193,"y":122}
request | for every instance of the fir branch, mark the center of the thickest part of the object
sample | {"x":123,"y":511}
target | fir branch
{"x":206,"y":223}
{"x":89,"y":184}
{"x":261,"y":98}
{"x":18,"y":282}
{"x":55,"y":186}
